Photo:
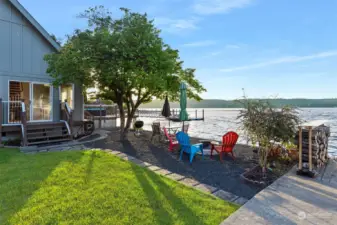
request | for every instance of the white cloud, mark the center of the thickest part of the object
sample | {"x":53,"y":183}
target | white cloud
{"x":176,"y":25}
{"x":219,"y":6}
{"x":287,"y":59}
{"x":200,"y":43}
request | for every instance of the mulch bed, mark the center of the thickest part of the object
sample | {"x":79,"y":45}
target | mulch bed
{"x":255,"y":175}
{"x":209,"y":171}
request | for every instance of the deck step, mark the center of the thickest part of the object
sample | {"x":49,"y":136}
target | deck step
{"x":49,"y":141}
{"x":48,"y":137}
{"x":44,"y":130}
{"x":47,"y":133}
{"x":44,"y":126}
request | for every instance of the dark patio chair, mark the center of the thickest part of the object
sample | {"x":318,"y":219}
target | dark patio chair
{"x":156,"y":132}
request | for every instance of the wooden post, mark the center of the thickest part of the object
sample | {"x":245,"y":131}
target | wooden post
{"x":300,"y":148}
{"x":1,"y":123}
{"x":310,"y":148}
{"x":100,"y":115}
{"x":203,"y":114}
{"x":196,"y":114}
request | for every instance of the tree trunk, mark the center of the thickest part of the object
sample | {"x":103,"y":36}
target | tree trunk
{"x":122,"y":117}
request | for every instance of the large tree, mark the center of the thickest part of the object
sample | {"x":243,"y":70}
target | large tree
{"x":126,"y":58}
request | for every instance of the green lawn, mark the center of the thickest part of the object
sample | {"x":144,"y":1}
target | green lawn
{"x":94,"y":187}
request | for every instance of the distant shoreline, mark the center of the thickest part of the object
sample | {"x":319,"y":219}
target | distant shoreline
{"x":234,"y":104}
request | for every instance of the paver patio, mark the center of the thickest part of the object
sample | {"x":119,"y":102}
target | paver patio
{"x":293,"y":199}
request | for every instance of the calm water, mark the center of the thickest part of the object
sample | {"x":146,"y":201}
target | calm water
{"x":219,"y":121}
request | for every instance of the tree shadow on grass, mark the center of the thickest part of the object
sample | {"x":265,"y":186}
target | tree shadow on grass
{"x":23,"y":175}
{"x":185,"y":214}
{"x":89,"y":168}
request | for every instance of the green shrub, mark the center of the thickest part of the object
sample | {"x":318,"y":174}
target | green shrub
{"x":265,"y":125}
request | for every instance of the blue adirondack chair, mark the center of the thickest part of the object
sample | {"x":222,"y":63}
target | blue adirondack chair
{"x":184,"y":142}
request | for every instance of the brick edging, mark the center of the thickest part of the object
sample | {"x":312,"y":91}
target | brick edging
{"x":219,"y":193}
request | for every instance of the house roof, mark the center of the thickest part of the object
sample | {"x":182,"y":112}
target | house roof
{"x":38,"y":27}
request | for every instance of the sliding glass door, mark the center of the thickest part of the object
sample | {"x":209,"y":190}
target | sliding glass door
{"x":41,"y":107}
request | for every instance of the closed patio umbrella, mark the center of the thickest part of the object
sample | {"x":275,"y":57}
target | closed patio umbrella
{"x":166,"y":112}
{"x":183,"y":116}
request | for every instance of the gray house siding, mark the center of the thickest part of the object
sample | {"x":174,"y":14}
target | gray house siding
{"x":22,"y":49}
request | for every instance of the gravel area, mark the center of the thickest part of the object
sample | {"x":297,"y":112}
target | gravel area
{"x":208,"y":171}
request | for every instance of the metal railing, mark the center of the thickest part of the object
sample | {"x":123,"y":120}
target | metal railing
{"x":100,"y":112}
{"x":67,"y":117}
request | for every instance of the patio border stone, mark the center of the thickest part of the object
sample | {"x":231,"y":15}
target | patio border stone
{"x":226,"y":195}
{"x":163,"y":172}
{"x":154,"y":168}
{"x":219,"y":193}
{"x":175,"y":176}
{"x":206,"y":188}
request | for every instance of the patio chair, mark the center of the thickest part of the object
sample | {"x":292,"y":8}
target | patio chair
{"x":185,"y":128}
{"x":184,"y":142}
{"x":172,"y":140}
{"x":228,"y":142}
{"x":156,"y":132}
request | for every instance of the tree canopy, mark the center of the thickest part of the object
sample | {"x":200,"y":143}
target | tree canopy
{"x":125,"y":58}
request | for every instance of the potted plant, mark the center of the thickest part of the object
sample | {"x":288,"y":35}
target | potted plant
{"x":266,"y":126}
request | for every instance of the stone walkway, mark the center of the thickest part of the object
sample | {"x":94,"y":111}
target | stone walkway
{"x":186,"y":181}
{"x":293,"y":199}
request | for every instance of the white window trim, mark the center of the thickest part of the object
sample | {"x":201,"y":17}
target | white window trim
{"x":31,"y":83}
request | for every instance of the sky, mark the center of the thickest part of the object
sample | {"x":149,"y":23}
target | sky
{"x":271,"y":48}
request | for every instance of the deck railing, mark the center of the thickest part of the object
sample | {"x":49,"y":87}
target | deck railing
{"x":67,"y":114}
{"x":13,"y":113}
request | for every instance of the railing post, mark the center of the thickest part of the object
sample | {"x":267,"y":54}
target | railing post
{"x":100,"y":115}
{"x":24,"y":122}
{"x":1,"y":122}
{"x":69,"y":114}
{"x":203,"y":114}
{"x":196,"y":114}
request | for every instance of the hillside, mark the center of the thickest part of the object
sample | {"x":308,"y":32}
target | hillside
{"x":215,"y":103}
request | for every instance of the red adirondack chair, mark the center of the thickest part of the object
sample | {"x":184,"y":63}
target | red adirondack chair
{"x":228,"y":142}
{"x":172,"y":140}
